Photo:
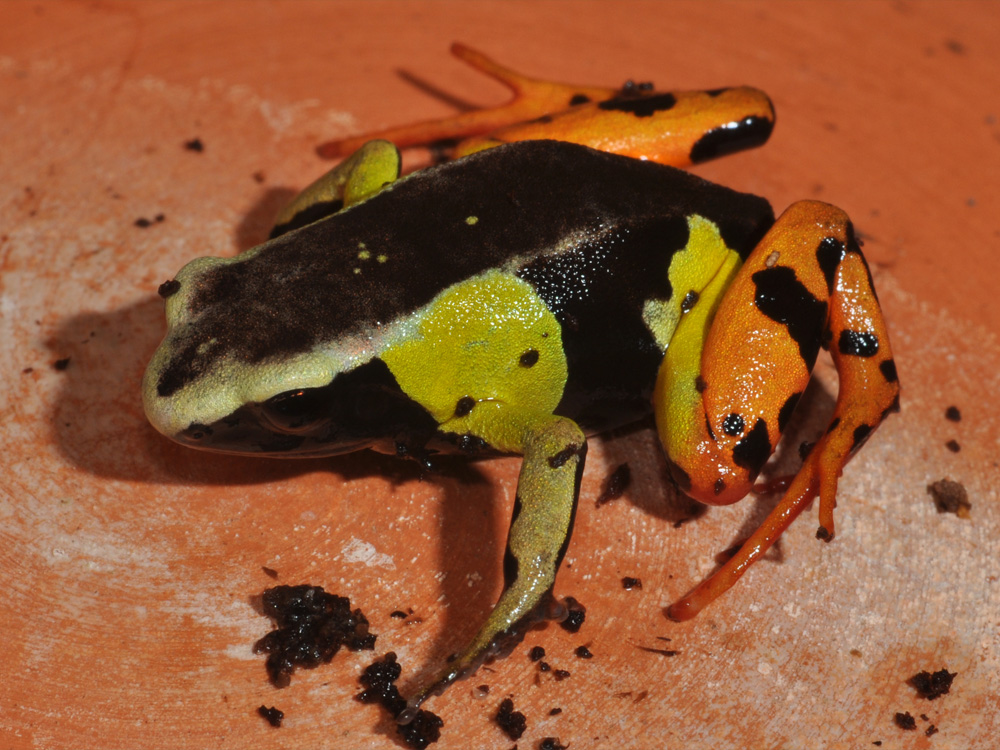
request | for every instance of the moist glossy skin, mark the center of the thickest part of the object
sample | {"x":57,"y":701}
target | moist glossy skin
{"x":529,"y":293}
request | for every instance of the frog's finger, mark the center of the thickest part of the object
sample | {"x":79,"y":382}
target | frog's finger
{"x":544,"y":507}
{"x":373,"y":166}
{"x":721,"y":408}
{"x":532,"y":98}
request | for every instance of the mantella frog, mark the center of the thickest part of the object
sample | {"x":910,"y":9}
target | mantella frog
{"x":556,"y":277}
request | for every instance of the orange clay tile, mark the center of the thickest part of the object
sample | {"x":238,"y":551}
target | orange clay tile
{"x":128,"y":565}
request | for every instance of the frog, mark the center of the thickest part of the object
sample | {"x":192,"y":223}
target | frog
{"x":553,"y":275}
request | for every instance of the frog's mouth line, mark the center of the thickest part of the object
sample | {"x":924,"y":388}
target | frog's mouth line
{"x":276,"y":446}
{"x":240,"y":435}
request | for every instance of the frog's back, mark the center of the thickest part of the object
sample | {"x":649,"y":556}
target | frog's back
{"x":592,"y":232}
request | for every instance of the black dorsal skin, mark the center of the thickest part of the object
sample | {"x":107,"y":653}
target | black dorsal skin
{"x":503,"y":207}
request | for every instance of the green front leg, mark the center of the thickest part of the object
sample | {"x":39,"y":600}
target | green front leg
{"x":364,"y":173}
{"x":547,"y":491}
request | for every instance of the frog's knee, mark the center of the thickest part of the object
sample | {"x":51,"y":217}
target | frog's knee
{"x":711,"y":477}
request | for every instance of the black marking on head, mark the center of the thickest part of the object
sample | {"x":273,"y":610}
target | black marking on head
{"x":543,"y":120}
{"x":861,"y":433}
{"x":640,"y":106}
{"x":465,"y":405}
{"x":749,"y":132}
{"x":559,"y":459}
{"x":711,"y":432}
{"x":720,"y":486}
{"x":833,"y":425}
{"x":785,"y":299}
{"x":829,"y":254}
{"x":169,"y":288}
{"x":529,"y":358}
{"x":699,"y":384}
{"x":785,"y":413}
{"x":689,"y":301}
{"x":888,"y":370}
{"x":733,"y":425}
{"x":577,"y":99}
{"x":857,"y":343}
{"x":718,"y":92}
{"x":681,"y":477}
{"x":752,"y":451}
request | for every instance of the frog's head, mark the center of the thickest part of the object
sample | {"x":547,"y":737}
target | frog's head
{"x":251,"y":364}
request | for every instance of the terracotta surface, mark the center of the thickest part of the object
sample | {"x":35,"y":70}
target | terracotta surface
{"x":128,"y":565}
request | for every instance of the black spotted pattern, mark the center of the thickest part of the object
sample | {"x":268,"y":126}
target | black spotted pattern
{"x":888,"y":370}
{"x":787,"y":409}
{"x":464,"y":406}
{"x":857,"y":344}
{"x":529,"y":358}
{"x":733,"y":425}
{"x":734,"y":136}
{"x":861,"y":433}
{"x":829,"y":254}
{"x":891,"y":409}
{"x":785,"y":299}
{"x":752,"y":451}
{"x":640,"y":106}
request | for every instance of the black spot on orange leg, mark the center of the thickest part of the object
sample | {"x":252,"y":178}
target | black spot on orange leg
{"x":793,"y":294}
{"x":733,"y":425}
{"x":786,"y":300}
{"x":640,"y":106}
{"x":858,"y":344}
{"x":888,"y":370}
{"x":752,"y":451}
{"x":787,"y":409}
{"x":828,"y":255}
{"x":747,"y":133}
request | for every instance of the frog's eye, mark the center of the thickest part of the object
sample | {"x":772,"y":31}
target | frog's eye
{"x":296,"y":410}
